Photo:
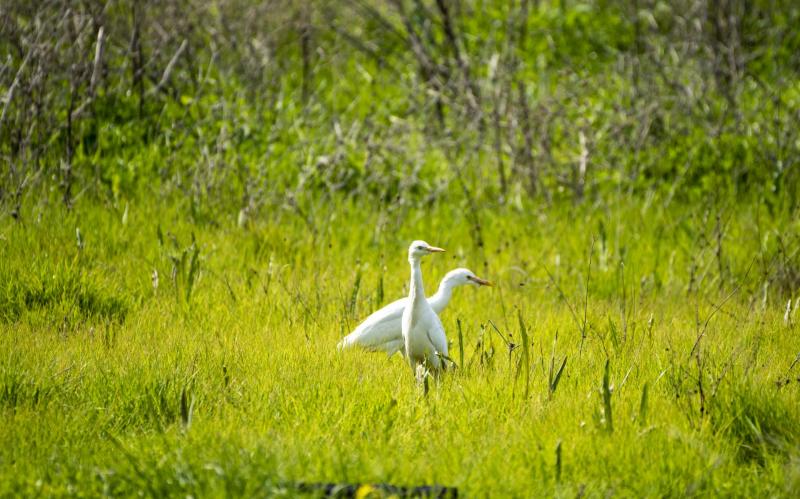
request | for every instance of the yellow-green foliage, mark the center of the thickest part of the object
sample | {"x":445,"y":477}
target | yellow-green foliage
{"x":225,"y":380}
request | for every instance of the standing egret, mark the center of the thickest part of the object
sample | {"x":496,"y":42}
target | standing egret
{"x":423,"y":334}
{"x":382,"y":330}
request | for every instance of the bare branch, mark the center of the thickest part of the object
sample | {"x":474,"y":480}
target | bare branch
{"x":98,"y":59}
{"x":169,"y":68}
{"x":10,"y":94}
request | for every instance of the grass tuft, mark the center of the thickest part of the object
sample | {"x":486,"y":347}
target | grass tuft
{"x":758,"y":421}
{"x":61,"y":289}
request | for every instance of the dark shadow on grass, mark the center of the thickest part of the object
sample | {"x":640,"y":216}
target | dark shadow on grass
{"x":47,"y":288}
{"x":344,"y":490}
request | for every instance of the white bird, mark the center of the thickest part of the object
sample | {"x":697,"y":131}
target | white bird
{"x":423,"y":335}
{"x":382,"y":330}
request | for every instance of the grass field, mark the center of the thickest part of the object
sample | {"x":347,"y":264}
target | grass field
{"x":143,"y":352}
{"x":198,"y":200}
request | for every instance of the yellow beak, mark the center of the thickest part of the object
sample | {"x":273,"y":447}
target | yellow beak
{"x":482,"y":282}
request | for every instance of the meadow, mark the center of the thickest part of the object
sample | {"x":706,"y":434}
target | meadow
{"x":220,"y":376}
{"x":198,"y":200}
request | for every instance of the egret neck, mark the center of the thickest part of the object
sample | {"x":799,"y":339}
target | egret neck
{"x":416,"y":290}
{"x":442,"y":297}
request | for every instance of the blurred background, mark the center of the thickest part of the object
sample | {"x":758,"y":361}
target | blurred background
{"x":239,"y":107}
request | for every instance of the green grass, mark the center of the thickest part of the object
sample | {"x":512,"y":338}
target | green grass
{"x":626,"y":174}
{"x":225,"y":379}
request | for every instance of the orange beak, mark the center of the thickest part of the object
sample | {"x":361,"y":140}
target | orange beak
{"x":482,"y":282}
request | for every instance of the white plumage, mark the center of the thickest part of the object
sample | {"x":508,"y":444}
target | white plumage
{"x":423,"y":335}
{"x":382,"y":330}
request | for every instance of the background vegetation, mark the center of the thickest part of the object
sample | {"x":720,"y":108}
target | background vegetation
{"x":201,"y":198}
{"x":251,"y":105}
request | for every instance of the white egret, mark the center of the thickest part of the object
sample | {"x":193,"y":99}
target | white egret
{"x":423,"y":335}
{"x":382,"y":330}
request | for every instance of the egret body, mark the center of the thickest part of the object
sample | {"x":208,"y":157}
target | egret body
{"x":382,"y":330}
{"x":423,"y":335}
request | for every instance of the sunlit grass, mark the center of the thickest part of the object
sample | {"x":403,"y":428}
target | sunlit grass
{"x":225,"y":379}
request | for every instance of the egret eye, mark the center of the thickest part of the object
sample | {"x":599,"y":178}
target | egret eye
{"x":420,"y":247}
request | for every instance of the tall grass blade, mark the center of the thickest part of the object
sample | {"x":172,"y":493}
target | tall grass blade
{"x":184,"y":407}
{"x":609,"y":422}
{"x":526,"y":359}
{"x":612,"y":329}
{"x":351,"y":306}
{"x":460,"y":343}
{"x":557,"y":378}
{"x":558,"y":462}
{"x":643,"y":406}
{"x":194,"y":266}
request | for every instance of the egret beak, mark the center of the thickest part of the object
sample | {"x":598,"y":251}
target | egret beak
{"x":434,"y":249}
{"x":482,"y":282}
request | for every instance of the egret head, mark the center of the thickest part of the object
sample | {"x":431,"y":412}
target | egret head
{"x":460,"y":277}
{"x":418,"y":249}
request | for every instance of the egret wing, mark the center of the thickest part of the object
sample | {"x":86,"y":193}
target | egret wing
{"x":437,"y":335}
{"x":380,"y":331}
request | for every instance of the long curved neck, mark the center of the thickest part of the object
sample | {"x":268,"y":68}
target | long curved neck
{"x":416,"y":289}
{"x":442,"y":297}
